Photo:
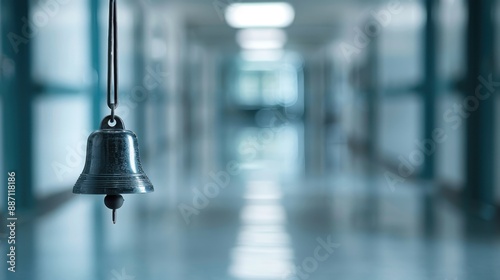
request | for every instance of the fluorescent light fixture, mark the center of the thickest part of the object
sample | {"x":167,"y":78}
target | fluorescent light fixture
{"x":262,"y":45}
{"x":247,"y":15}
{"x":262,"y":55}
{"x":261,"y":38}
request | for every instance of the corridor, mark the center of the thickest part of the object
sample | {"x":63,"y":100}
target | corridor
{"x":323,"y":139}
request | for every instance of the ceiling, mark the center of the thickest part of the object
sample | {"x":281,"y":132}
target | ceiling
{"x":317,"y":22}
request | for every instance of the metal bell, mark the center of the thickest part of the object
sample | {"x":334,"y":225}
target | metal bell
{"x":112,"y":165}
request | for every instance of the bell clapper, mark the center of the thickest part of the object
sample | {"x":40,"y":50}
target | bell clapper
{"x":113,"y":202}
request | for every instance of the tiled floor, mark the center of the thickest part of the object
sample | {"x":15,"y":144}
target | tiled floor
{"x":265,"y":224}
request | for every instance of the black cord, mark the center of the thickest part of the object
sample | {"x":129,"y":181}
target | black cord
{"x":112,"y":59}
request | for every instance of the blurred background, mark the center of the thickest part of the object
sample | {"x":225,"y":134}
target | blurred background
{"x":319,"y":139}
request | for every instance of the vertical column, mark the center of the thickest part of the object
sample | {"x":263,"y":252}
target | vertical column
{"x":96,"y":62}
{"x":17,"y":101}
{"x":372,"y":98}
{"x":140,"y":34}
{"x":429,"y":87}
{"x":479,"y":111}
{"x":314,"y":123}
{"x":96,"y":95}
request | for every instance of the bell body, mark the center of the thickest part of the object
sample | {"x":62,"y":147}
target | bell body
{"x":113,"y":164}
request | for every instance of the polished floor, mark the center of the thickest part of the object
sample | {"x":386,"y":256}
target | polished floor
{"x":266,"y":220}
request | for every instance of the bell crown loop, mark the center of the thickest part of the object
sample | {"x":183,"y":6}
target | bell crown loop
{"x":112,"y":122}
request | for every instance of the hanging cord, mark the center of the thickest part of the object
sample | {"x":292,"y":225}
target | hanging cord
{"x":112,"y":59}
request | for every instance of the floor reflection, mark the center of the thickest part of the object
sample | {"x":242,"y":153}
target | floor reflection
{"x":263,"y":249}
